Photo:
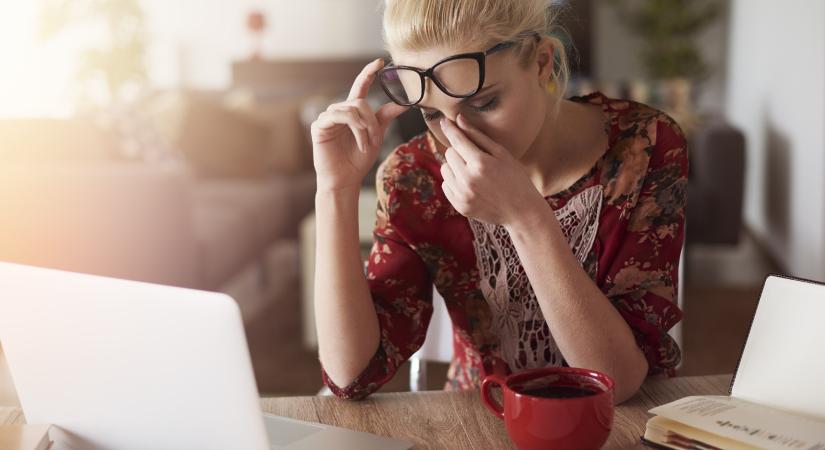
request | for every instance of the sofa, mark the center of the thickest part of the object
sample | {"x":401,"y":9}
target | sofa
{"x":74,"y":200}
{"x":716,"y":186}
{"x":151,"y":224}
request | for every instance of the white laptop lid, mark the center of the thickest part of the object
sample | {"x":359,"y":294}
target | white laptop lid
{"x":104,"y":359}
{"x":782,"y":363}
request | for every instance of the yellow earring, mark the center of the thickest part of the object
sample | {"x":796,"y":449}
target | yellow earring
{"x":551,"y":87}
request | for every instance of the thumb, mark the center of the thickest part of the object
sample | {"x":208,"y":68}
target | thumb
{"x":388,"y":112}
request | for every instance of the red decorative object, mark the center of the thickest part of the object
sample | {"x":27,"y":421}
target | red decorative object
{"x":256,"y":24}
{"x":540,"y":423}
{"x":256,"y":21}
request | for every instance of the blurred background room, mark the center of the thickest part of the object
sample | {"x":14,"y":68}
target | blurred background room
{"x":168,"y":141}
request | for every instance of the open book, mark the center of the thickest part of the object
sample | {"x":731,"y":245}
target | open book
{"x":777,"y":398}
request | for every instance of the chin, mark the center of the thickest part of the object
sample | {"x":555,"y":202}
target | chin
{"x":522,"y":150}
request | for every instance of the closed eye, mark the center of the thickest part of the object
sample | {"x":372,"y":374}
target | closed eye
{"x":430,"y":116}
{"x":435,"y":115}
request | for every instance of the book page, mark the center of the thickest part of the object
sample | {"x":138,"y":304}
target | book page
{"x":676,"y":434}
{"x":781,"y":365}
{"x":754,"y":424}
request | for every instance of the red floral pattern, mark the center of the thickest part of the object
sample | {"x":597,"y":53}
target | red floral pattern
{"x":421,"y":241}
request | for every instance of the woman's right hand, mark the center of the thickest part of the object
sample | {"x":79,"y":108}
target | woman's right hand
{"x":346,"y":138}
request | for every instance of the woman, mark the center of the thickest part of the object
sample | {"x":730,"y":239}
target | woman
{"x":552,"y":227}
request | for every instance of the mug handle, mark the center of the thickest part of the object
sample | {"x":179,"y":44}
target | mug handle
{"x":486,"y":385}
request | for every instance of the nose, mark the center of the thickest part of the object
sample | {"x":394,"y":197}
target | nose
{"x":435,"y":99}
{"x":452,"y":116}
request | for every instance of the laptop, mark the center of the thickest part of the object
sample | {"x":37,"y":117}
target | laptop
{"x":116,"y":364}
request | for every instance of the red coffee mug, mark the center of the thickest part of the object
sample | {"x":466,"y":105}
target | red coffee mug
{"x":536,"y":420}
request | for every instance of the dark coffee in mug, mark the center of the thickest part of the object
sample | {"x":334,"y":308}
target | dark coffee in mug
{"x":558,"y":392}
{"x":554,"y":385}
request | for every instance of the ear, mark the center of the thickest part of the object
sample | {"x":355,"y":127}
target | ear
{"x":545,"y":57}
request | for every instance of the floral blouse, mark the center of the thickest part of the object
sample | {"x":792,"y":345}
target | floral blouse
{"x":624,"y":221}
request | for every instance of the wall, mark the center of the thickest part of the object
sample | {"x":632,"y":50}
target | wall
{"x":192,"y":43}
{"x":776,"y":94}
{"x":195,"y":41}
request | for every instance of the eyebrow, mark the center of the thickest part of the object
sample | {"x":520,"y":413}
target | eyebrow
{"x":464,"y":100}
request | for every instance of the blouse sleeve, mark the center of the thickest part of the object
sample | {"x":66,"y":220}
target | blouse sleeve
{"x":642,"y":282}
{"x":401,"y":289}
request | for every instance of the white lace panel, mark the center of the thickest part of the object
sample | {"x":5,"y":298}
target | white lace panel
{"x":525,"y":339}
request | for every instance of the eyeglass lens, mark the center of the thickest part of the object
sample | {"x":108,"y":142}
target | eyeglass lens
{"x":458,"y":77}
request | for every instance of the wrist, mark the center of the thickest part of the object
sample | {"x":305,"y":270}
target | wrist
{"x":337,"y":202}
{"x":326,"y":191}
{"x":526,"y":224}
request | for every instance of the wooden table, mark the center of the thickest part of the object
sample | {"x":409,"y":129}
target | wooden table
{"x":458,"y":420}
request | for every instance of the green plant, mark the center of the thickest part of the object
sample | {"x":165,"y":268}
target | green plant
{"x":118,"y":61}
{"x":668,"y":29}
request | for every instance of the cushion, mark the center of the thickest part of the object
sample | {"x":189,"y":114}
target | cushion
{"x":289,"y":143}
{"x":215,"y":140}
{"x":235,"y":136}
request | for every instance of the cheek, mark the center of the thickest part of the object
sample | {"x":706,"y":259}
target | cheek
{"x":507,"y":128}
{"x":517,"y":126}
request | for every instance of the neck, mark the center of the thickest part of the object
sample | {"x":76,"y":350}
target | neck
{"x":567,"y":145}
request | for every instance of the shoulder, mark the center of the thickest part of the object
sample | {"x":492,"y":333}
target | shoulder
{"x":647,"y":144}
{"x":635,"y":120}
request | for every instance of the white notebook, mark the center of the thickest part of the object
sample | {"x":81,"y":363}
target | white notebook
{"x":783,"y":363}
{"x":777,"y":397}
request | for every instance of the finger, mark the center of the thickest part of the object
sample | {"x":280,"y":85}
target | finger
{"x":376,"y":134}
{"x":388,"y":113}
{"x":364,"y":80}
{"x":350,"y":109}
{"x":448,"y":192}
{"x":365,"y":114}
{"x":448,"y":175}
{"x":331,"y":118}
{"x":364,"y":109}
{"x":452,"y":197}
{"x":456,"y":163}
{"x":479,"y":138}
{"x":468,"y":150}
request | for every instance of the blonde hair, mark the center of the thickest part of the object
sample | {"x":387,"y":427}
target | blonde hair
{"x":415,"y":25}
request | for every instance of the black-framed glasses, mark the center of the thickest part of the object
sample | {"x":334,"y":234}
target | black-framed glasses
{"x":458,"y":76}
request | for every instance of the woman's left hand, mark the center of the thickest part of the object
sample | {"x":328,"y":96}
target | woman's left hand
{"x":483,"y":180}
